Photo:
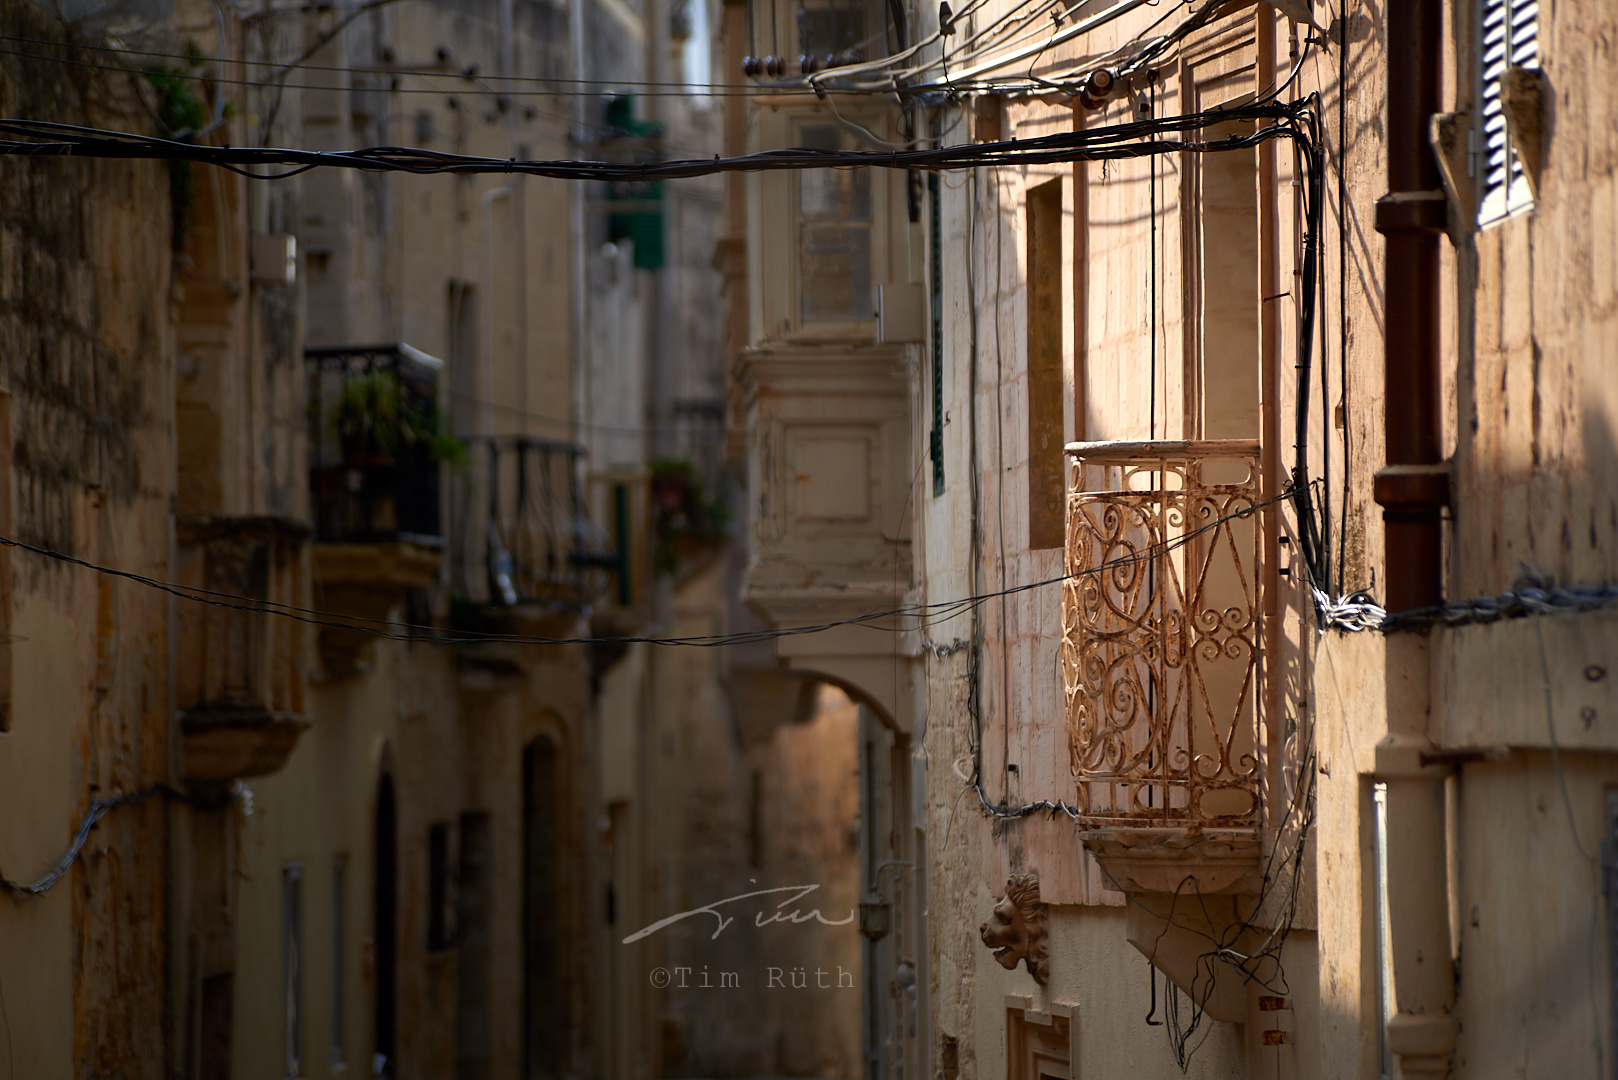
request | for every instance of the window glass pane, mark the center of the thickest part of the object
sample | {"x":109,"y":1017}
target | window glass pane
{"x":836,"y":272}
{"x":823,"y":30}
{"x":834,"y":239}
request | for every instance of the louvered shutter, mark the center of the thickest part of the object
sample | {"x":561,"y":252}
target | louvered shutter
{"x":1508,"y":37}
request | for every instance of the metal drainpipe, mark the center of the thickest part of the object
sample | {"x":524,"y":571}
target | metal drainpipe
{"x":1413,"y":488}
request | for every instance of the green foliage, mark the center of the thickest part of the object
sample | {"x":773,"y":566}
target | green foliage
{"x":180,"y":115}
{"x":180,"y":112}
{"x":376,"y":416}
{"x":686,"y":517}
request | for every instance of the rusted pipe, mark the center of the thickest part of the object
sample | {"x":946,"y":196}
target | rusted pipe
{"x":1413,"y":489}
{"x":1410,"y":218}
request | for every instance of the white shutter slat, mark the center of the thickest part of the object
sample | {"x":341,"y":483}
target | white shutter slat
{"x":1508,"y":35}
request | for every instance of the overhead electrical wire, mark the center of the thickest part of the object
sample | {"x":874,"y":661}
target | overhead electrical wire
{"x":1113,"y":142}
{"x":1294,"y":121}
{"x":380,"y":69}
{"x":923,"y":616}
{"x":599,"y":88}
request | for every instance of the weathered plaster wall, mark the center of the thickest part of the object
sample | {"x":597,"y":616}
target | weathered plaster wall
{"x":1537,"y":454}
{"x":85,"y":360}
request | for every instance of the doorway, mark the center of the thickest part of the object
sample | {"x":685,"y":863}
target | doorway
{"x":545,"y":999}
{"x":384,"y":922}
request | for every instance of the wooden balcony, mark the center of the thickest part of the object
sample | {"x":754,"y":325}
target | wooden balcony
{"x":239,"y":678}
{"x":1161,"y":660}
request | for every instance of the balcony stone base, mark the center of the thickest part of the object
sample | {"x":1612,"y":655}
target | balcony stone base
{"x":223,"y":744}
{"x":1189,"y":861}
{"x":365,"y":582}
{"x":1187,"y":889}
{"x":1176,"y":933}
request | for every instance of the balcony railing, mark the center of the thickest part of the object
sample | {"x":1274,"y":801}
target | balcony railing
{"x":519,"y":531}
{"x":1161,"y":622}
{"x":376,"y":443}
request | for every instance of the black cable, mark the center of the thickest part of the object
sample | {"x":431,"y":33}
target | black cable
{"x":926,"y":614}
{"x":98,"y":810}
{"x":475,"y":85}
{"x":1115,"y":142}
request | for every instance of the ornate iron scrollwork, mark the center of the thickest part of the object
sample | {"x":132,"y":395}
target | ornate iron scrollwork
{"x":1161,"y":623}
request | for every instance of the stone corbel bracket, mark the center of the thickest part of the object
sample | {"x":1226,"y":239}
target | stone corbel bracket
{"x":1017,"y":929}
{"x":1448,"y":134}
{"x":1522,"y":99}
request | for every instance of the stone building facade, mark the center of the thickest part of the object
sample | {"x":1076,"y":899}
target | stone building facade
{"x":1268,"y":836}
{"x":153,"y":354}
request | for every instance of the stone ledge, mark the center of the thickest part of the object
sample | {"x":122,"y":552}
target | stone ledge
{"x":1200,"y":861}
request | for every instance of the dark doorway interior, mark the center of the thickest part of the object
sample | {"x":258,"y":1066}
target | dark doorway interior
{"x":213,"y":1055}
{"x":545,"y":1001}
{"x":384,"y":920}
{"x":473,"y":1038}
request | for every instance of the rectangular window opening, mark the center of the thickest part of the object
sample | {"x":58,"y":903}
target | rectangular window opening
{"x":442,"y":900}
{"x":1226,"y":404}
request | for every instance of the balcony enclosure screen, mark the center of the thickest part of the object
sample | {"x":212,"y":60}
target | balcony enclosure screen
{"x":1161,"y":622}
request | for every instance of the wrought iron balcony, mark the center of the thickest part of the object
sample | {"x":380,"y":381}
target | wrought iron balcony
{"x":1161,"y":618}
{"x":519,"y":532}
{"x":377,"y":441}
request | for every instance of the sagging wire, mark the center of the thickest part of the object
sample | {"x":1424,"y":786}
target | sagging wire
{"x":98,"y":810}
{"x":586,"y":88}
{"x":888,"y":78}
{"x":926,"y":615}
{"x":1249,"y":962}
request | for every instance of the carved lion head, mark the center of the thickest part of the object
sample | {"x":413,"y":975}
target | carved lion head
{"x":1017,"y":930}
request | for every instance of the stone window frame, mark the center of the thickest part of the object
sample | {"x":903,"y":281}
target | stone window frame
{"x":1048,"y":1035}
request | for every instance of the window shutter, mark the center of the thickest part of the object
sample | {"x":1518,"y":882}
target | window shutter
{"x":1508,"y":37}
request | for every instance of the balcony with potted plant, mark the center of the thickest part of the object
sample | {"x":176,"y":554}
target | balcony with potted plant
{"x":379,"y":443}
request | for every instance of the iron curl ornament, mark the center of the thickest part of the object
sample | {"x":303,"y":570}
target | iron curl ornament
{"x":1161,"y":623}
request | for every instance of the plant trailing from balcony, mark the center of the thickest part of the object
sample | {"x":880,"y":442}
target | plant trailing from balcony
{"x":376,"y":417}
{"x":180,"y":115}
{"x":688,"y":520}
